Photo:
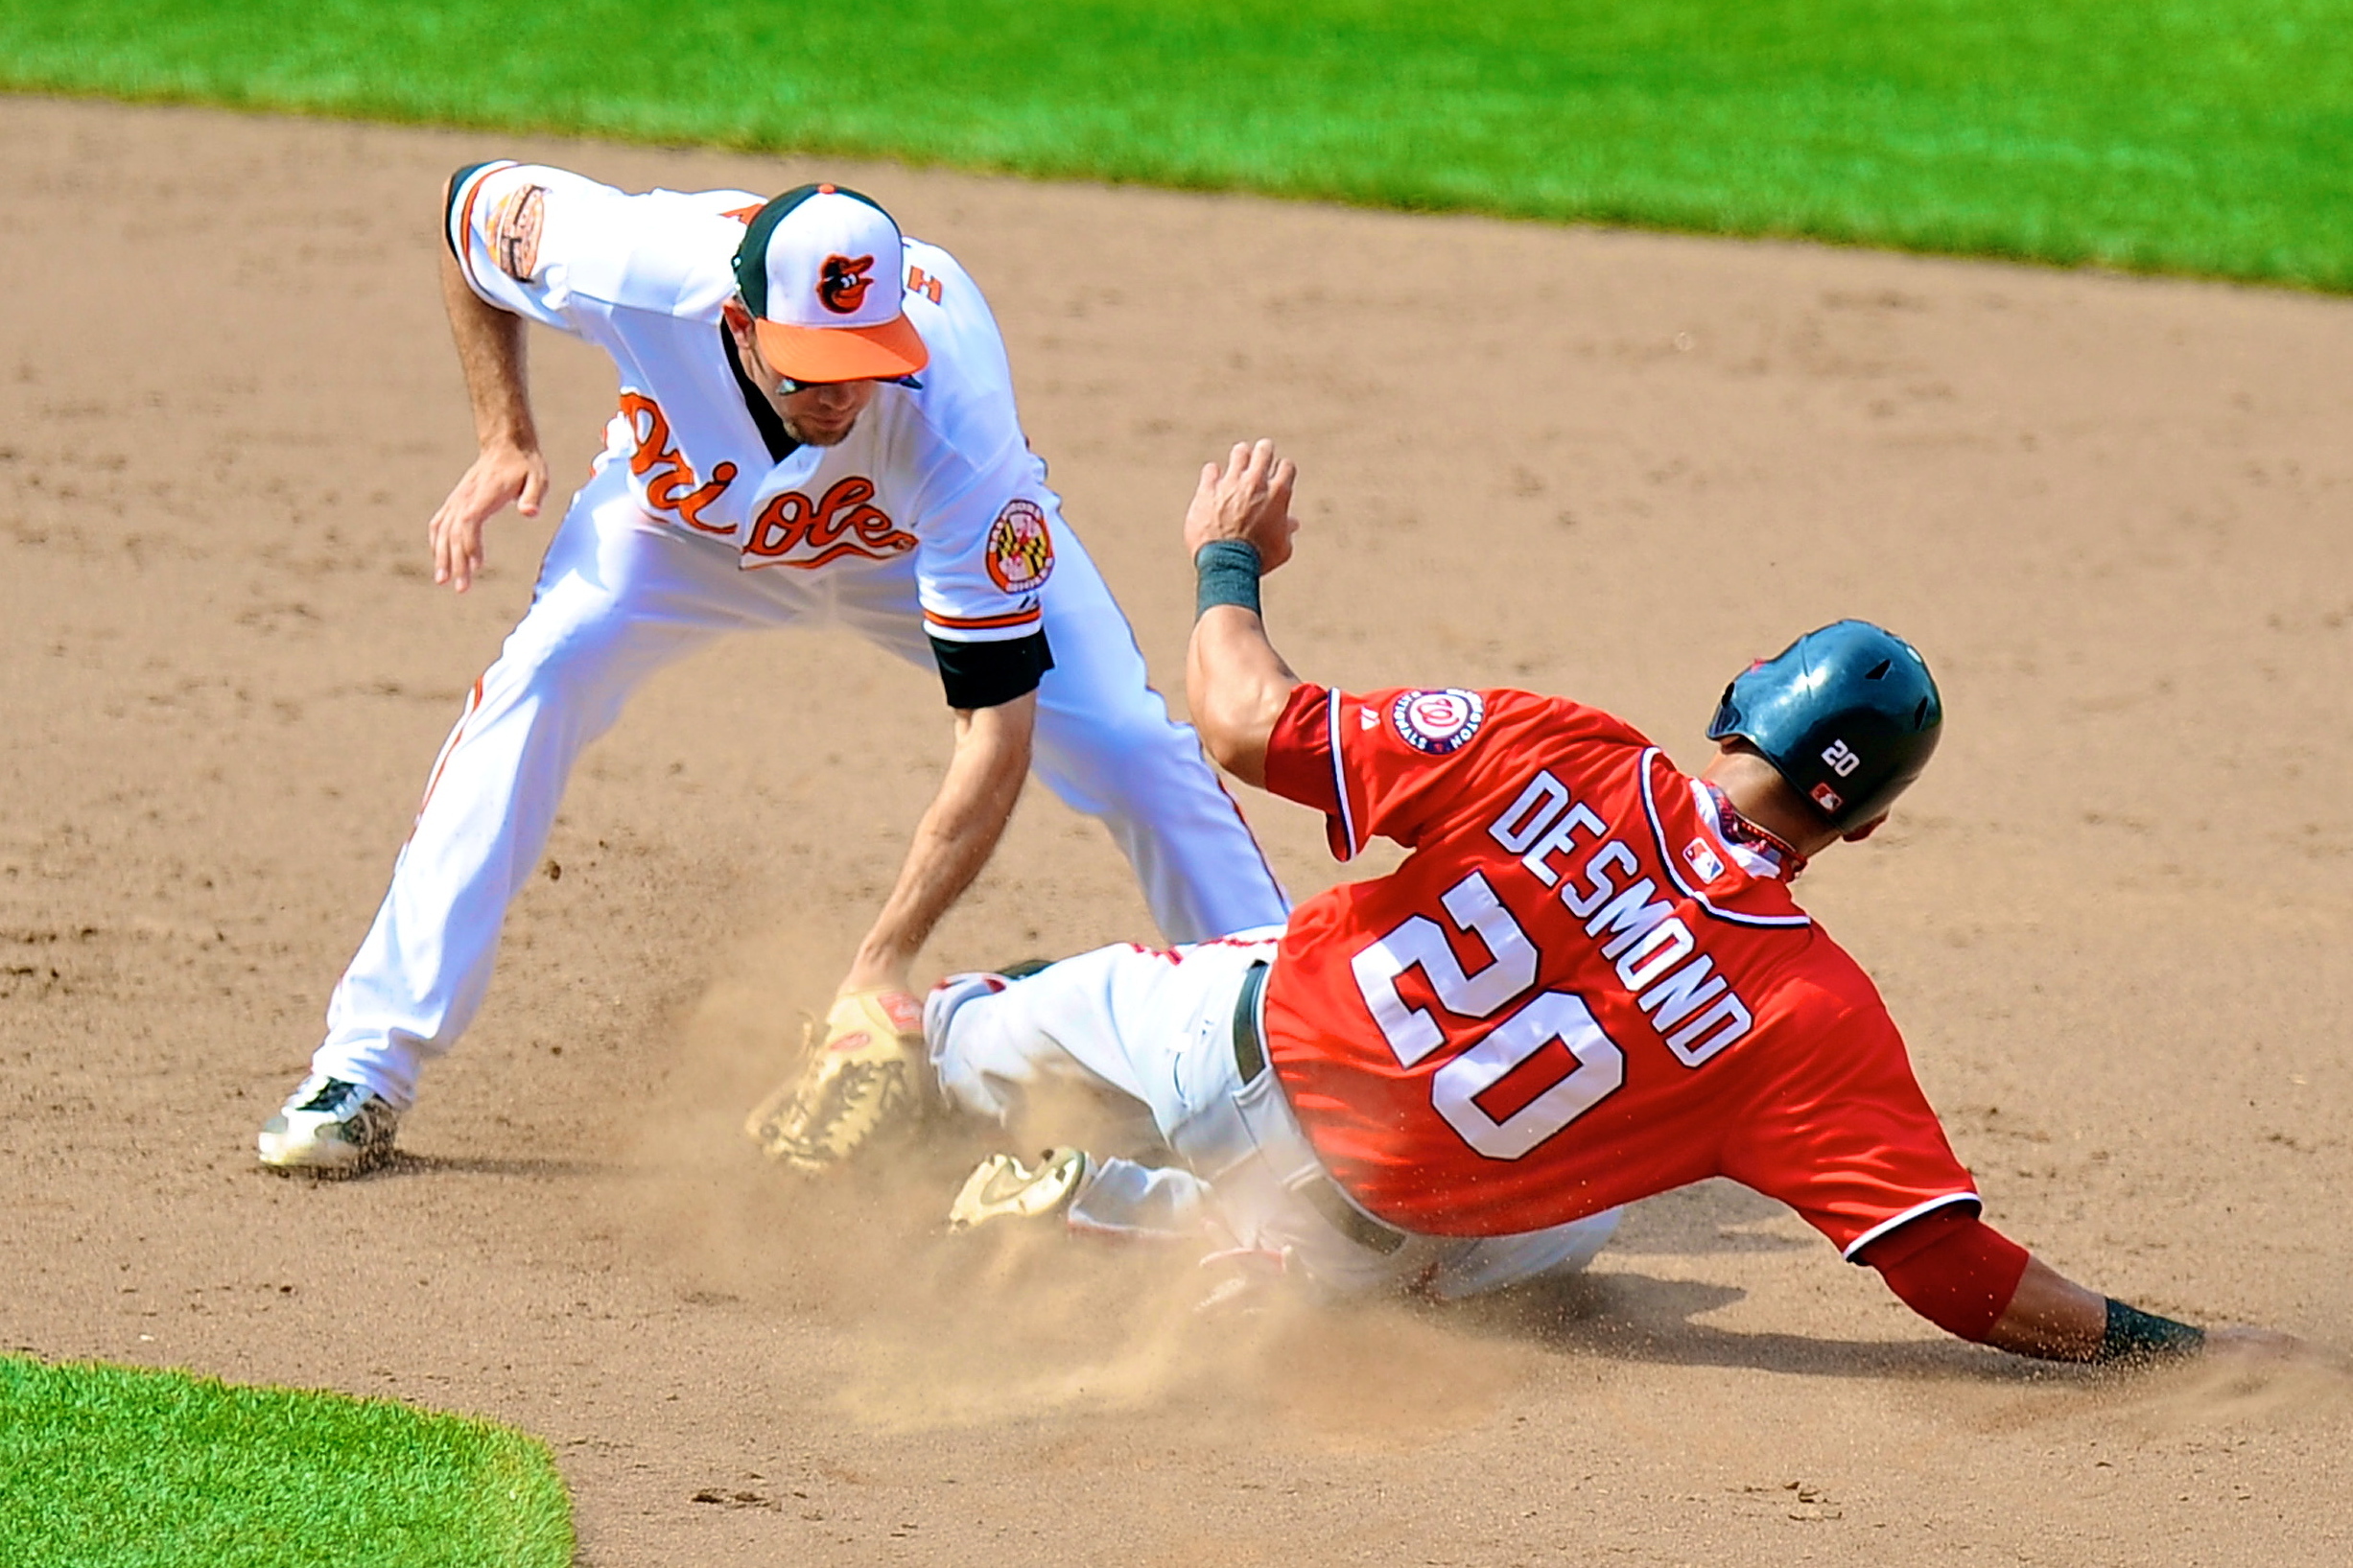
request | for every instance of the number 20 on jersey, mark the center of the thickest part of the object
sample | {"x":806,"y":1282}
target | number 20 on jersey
{"x":1455,"y":1088}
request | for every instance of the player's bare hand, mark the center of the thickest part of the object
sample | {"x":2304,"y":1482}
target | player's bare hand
{"x":502,"y":476}
{"x":1249,"y":499}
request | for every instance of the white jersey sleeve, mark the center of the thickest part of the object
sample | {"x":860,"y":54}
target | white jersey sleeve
{"x":987,"y":549}
{"x":988,"y":518}
{"x":522,"y":233}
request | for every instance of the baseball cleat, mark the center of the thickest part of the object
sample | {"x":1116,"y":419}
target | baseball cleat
{"x":864,"y":1077}
{"x":329,"y":1127}
{"x":1001,"y":1187}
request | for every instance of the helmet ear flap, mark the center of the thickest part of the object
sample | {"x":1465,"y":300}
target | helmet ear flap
{"x":1728,"y":714}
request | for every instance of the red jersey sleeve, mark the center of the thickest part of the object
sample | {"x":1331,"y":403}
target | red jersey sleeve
{"x":1385,"y":763}
{"x":1836,"y":1125}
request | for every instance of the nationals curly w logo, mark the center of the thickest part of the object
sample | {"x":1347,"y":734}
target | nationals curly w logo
{"x":841,"y":283}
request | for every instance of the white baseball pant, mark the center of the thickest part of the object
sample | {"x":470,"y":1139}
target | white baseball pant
{"x":1155,"y":1030}
{"x":619,"y":596}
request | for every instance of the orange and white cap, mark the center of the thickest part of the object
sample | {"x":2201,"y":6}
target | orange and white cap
{"x":819,"y":270}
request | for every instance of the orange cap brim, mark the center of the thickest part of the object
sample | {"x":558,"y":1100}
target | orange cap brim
{"x":894,"y":348}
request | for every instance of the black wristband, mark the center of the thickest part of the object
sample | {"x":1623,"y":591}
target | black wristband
{"x":2134,"y":1335}
{"x":1228,"y":575}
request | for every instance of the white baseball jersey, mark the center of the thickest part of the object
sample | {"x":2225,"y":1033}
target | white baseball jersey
{"x":939,"y":469}
{"x":702,"y":517}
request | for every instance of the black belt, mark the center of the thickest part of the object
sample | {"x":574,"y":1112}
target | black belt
{"x":1321,"y":1191}
{"x":1249,"y":1054}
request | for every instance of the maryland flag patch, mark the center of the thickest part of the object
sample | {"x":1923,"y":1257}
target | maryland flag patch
{"x":1020,"y":551}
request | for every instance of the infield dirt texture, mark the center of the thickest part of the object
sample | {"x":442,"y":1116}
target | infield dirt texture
{"x":2112,"y":920}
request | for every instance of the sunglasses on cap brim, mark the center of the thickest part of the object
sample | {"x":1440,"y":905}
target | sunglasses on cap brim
{"x":789,"y":386}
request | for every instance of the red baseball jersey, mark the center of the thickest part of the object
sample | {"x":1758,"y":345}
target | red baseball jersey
{"x":1576,"y":991}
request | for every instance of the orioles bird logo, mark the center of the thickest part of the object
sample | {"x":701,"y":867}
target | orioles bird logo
{"x":841,"y":283}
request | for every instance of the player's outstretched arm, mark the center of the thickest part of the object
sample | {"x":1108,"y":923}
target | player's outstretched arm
{"x":509,"y":469}
{"x":2055,"y":1319}
{"x":1237,"y":528}
{"x":860,"y":1077}
{"x":2052,"y":1317}
{"x":952,"y":842}
{"x":1972,"y":1282}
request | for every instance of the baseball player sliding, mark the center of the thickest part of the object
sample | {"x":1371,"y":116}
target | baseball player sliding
{"x":1586,"y":984}
{"x":816,"y":423}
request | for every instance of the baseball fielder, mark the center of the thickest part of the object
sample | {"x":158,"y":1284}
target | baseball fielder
{"x":1586,"y":984}
{"x":816,"y":424}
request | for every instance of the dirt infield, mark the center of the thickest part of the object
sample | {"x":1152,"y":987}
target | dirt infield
{"x":2112,"y":920}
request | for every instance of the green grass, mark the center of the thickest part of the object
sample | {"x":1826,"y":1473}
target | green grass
{"x":111,"y":1467}
{"x":2205,"y":136}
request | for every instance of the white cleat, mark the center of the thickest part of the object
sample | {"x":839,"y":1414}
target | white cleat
{"x":1003,"y":1188}
{"x":329,"y":1127}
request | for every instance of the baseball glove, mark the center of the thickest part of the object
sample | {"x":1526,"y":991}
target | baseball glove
{"x":863,"y":1076}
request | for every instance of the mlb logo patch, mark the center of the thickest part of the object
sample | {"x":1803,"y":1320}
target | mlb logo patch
{"x":1703,"y":861}
{"x":1437,"y":722}
{"x":1827,"y":798}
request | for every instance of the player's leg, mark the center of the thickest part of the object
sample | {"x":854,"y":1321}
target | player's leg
{"x":1161,"y":1030}
{"x":1150,"y":1029}
{"x":1122,"y":1025}
{"x":1492,"y":1263}
{"x":1107,"y":746}
{"x":618,"y":598}
{"x":1119,"y":1023}
{"x":1115,"y":1199}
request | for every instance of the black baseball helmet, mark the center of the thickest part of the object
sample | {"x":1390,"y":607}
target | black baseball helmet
{"x":1849,"y":714}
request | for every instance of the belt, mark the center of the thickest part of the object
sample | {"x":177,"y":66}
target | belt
{"x":1322,"y":1192}
{"x":1249,"y":1052}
